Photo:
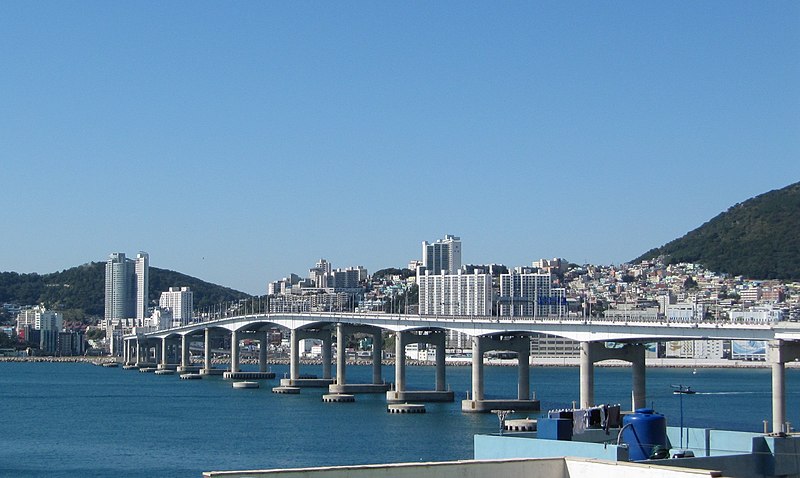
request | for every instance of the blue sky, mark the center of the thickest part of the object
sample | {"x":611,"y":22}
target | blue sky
{"x":241,"y":141}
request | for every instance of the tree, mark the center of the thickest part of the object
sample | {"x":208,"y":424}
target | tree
{"x":689,"y":284}
{"x":7,"y":342}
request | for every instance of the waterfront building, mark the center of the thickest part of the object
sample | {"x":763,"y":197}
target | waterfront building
{"x":180,"y":302}
{"x":126,"y":296}
{"x":543,"y":345}
{"x":685,"y":312}
{"x":127,"y":286}
{"x":530,"y":294}
{"x":454,"y":294}
{"x":47,"y":323}
{"x":444,"y":255}
{"x":764,"y":315}
{"x":695,"y":349}
{"x":70,"y":343}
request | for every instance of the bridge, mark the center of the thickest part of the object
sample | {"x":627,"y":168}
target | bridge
{"x":627,"y":337}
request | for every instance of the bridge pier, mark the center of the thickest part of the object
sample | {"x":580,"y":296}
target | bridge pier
{"x":126,"y":352}
{"x":142,"y":349}
{"x":400,"y":394}
{"x":341,"y":385}
{"x":779,"y":353}
{"x":165,"y":345}
{"x":593,"y":352}
{"x":186,"y":362}
{"x":185,"y":350}
{"x":341,"y":355}
{"x":481,"y":345}
{"x":208,"y":367}
{"x":294,"y":380}
{"x":234,"y":352}
{"x":159,"y":352}
{"x":263,"y":345}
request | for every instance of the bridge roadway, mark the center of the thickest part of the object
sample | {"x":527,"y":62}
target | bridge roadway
{"x":488,"y":334}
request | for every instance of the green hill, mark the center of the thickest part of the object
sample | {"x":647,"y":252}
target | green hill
{"x":759,"y":239}
{"x":81,"y":290}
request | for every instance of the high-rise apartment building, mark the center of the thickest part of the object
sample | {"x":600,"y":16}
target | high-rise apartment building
{"x":455,"y":294}
{"x":127,"y":286}
{"x":530,"y":295}
{"x":142,"y":275}
{"x":320,"y":273}
{"x":443,"y":255}
{"x":180,"y":301}
{"x":347,"y":279}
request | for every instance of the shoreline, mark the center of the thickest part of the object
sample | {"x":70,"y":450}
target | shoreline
{"x":535,"y":362}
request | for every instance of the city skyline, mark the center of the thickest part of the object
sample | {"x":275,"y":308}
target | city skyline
{"x":238,"y":145}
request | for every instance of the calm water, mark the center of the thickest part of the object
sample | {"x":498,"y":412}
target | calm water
{"x":78,"y":420}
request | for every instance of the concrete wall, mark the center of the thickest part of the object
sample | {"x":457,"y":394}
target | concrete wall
{"x":735,"y":466}
{"x":496,"y":447}
{"x":549,"y":467}
{"x":577,"y":468}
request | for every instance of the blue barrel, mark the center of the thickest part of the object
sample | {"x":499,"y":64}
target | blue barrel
{"x":643,"y":430}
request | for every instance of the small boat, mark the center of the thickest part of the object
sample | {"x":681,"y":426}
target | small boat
{"x":684,"y":391}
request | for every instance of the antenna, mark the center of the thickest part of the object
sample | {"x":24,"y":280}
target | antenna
{"x":501,"y":417}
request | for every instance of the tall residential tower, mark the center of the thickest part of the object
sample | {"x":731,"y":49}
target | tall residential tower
{"x":127,"y":286}
{"x":443,"y":255}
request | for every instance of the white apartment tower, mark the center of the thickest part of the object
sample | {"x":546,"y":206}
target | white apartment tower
{"x":455,"y":294}
{"x":142,"y":274}
{"x":127,"y":285}
{"x":180,"y":301}
{"x":320,"y":273}
{"x":39,"y":318}
{"x":443,"y":255}
{"x":530,"y":295}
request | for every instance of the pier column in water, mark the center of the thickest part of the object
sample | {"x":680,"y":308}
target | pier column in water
{"x":341,"y":354}
{"x":524,"y":365}
{"x":294,"y":356}
{"x":440,"y":362}
{"x":263,"y":344}
{"x":587,"y":374}
{"x":161,"y":351}
{"x":779,"y":353}
{"x":207,"y":349}
{"x":327,"y":355}
{"x":778,"y":396}
{"x":477,"y":368}
{"x":185,"y":350}
{"x":638,"y":379}
{"x":234,"y":351}
{"x":400,"y":361}
{"x":377,"y":356}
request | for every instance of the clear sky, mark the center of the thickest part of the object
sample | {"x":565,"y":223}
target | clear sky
{"x":241,"y":141}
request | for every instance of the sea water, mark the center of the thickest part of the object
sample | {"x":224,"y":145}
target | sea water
{"x":79,"y":420}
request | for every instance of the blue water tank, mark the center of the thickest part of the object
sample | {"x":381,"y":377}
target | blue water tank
{"x":643,"y":430}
